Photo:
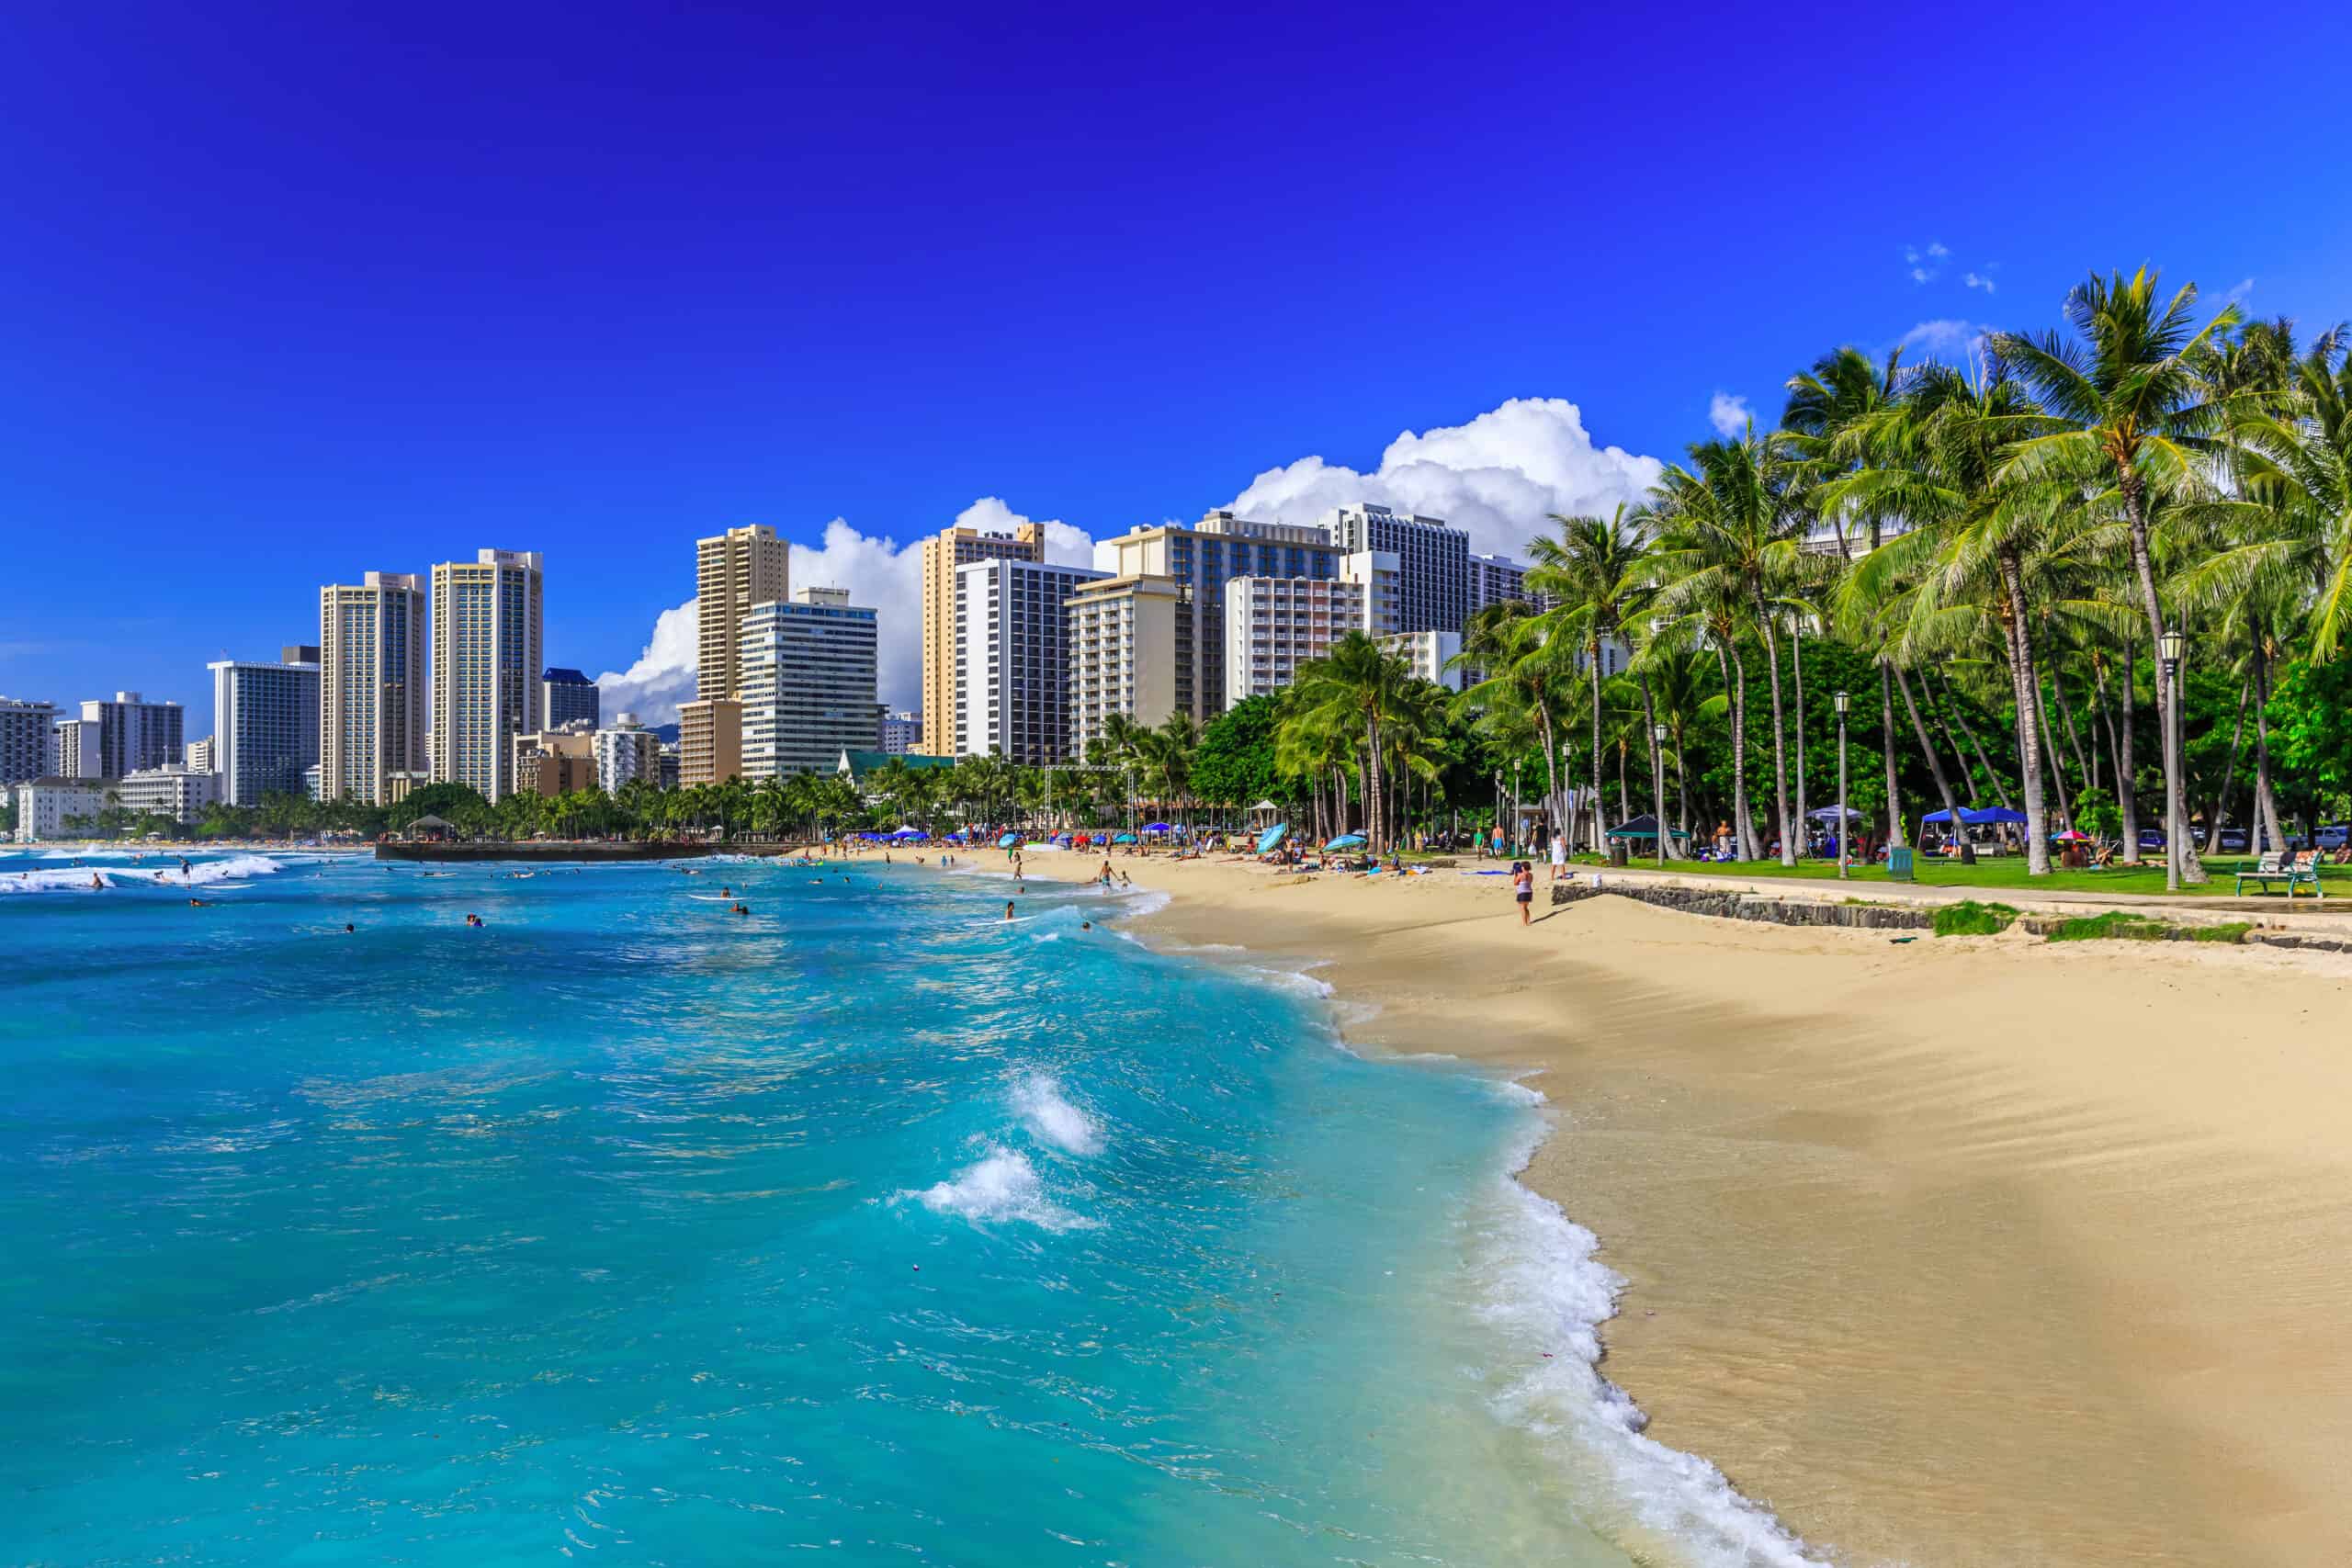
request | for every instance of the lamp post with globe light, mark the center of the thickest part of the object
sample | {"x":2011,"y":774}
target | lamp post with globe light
{"x":1844,"y":702}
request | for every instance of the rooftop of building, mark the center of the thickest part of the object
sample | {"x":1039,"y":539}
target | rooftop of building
{"x":566,"y":676}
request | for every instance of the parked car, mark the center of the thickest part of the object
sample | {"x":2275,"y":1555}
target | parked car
{"x":2234,"y":840}
{"x":2333,"y":837}
{"x":2152,"y":837}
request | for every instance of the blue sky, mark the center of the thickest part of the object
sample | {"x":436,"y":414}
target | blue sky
{"x":290,"y":296}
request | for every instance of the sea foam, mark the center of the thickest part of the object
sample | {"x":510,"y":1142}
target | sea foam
{"x":164,"y":875}
{"x":1542,"y":1285}
{"x":1052,"y":1119}
{"x":1001,"y":1187}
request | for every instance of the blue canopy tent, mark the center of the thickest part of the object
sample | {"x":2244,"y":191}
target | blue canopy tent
{"x":1270,"y":836}
{"x":1977,"y":817}
{"x":905,"y":833}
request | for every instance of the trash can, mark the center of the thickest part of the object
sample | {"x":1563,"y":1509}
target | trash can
{"x":1898,"y":863}
{"x":1618,"y":855}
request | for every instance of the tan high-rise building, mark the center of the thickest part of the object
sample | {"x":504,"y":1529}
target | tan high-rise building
{"x":488,"y":652}
{"x":370,"y":685}
{"x":555,"y":761}
{"x":1129,"y":642}
{"x":710,"y":740}
{"x":733,"y":571}
{"x":941,"y":556}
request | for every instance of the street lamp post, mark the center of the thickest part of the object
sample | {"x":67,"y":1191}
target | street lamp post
{"x":1844,"y":702}
{"x":2171,"y":645}
{"x":1657,"y":767}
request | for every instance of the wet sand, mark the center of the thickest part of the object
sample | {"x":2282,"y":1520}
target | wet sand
{"x":1952,"y":1252}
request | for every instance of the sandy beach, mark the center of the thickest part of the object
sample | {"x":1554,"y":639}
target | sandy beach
{"x":1953,"y":1252}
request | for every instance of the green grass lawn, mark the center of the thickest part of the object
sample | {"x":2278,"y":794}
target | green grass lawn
{"x":2009,"y":872}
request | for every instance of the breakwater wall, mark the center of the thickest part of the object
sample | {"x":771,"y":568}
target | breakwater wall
{"x":547,"y":852}
{"x":1736,"y":906}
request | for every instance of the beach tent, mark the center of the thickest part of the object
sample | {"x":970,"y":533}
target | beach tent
{"x":1829,"y":814}
{"x":1270,"y":836}
{"x":903,"y":834}
{"x":1346,"y":842}
{"x":1642,"y":826}
{"x":1974,"y":816}
{"x":1155,"y":827}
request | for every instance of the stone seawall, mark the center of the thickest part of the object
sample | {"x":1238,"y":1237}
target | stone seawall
{"x":585,"y":851}
{"x":1736,"y":906}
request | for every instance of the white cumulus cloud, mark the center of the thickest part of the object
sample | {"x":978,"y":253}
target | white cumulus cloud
{"x":1498,"y":477}
{"x":879,"y":573}
{"x":1977,"y":281}
{"x":1728,"y":414}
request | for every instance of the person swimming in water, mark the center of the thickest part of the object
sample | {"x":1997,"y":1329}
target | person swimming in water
{"x":94,"y":882}
{"x":198,"y":904}
{"x":348,"y":928}
{"x":1008,"y":908}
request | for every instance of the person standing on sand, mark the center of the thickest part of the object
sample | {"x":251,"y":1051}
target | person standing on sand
{"x":1522,"y":882}
{"x":1559,"y":855}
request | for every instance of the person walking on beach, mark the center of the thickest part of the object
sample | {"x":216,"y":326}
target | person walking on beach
{"x":1522,"y":882}
{"x":1559,"y":855}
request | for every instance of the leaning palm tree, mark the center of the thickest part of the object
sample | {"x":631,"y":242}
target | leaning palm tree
{"x":2141,"y":426}
{"x":1523,"y":670}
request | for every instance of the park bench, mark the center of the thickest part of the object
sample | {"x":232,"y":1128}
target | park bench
{"x":2294,"y":870}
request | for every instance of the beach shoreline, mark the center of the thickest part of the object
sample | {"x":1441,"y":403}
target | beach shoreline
{"x":1947,"y":1252}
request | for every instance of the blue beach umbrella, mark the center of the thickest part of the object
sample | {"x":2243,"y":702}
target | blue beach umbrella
{"x":1007,"y":841}
{"x":1155,"y":827}
{"x":1270,"y":836}
{"x":1347,"y":841}
{"x":1124,"y":838}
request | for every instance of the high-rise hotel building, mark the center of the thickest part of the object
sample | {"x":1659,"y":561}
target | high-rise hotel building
{"x":1432,"y":562}
{"x":942,"y":555}
{"x":25,"y":738}
{"x":1121,"y":635}
{"x":1201,"y":561}
{"x":266,"y":726}
{"x":372,"y":686}
{"x":808,"y":669}
{"x":733,"y":571}
{"x":1275,"y":624}
{"x":488,"y":651}
{"x":1011,"y":661}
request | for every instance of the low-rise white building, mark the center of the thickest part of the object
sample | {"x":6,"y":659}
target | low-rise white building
{"x":627,"y":750}
{"x":46,"y":806}
{"x":173,"y":790}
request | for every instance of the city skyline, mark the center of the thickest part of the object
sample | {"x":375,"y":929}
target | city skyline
{"x":548,"y":307}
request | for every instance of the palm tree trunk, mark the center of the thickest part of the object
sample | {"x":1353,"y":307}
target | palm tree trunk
{"x":1780,"y":735}
{"x":2127,"y":776}
{"x":1649,"y":738}
{"x":1600,"y":808}
{"x":2229,"y":774}
{"x":2000,"y":785}
{"x":2266,"y":798}
{"x":2028,"y":689}
{"x":1736,"y":683}
{"x":1886,"y":748}
{"x":2073,"y":736}
{"x":1796,"y":664}
{"x":2192,"y":870}
{"x":1927,"y":750}
{"x":1552,"y":778}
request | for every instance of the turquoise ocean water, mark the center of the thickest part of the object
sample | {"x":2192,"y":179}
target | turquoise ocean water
{"x":864,"y":1228}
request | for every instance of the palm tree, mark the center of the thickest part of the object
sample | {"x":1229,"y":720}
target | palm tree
{"x":1941,"y":454}
{"x":2141,"y":423}
{"x":1600,"y":570}
{"x":1369,"y":687}
{"x":1733,"y":523}
{"x":1525,"y":670}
